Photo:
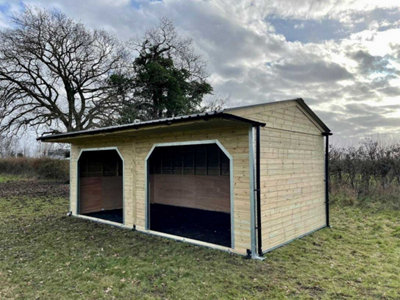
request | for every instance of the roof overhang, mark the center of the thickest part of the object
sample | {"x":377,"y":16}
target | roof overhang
{"x":300,"y":102}
{"x":303,"y":105}
{"x":161,"y":123}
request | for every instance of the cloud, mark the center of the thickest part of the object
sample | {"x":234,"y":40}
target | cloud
{"x":312,"y":71}
{"x":341,"y":56}
{"x":368,"y":63}
{"x":357,"y":121}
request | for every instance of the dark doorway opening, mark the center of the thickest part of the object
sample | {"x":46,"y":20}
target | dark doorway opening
{"x":189,"y":193}
{"x":198,"y":224}
{"x":100,"y":185}
{"x":114,"y":215}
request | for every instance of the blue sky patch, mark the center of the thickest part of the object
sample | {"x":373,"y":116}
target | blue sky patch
{"x":307,"y":31}
{"x":4,"y":7}
{"x":315,"y":31}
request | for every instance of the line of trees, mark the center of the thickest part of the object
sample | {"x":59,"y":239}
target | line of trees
{"x":56,"y":74}
{"x":370,"y":169}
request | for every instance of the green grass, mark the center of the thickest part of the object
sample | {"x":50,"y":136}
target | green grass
{"x":8,"y":178}
{"x":45,"y":254}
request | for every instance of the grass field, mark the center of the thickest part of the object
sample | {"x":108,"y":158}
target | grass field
{"x":4,"y":178}
{"x":45,"y":254}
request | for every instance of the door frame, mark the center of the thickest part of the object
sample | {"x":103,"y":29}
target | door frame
{"x":82,"y":150}
{"x":231,"y":196}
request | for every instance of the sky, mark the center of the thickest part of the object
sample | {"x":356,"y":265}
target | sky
{"x":341,"y":57}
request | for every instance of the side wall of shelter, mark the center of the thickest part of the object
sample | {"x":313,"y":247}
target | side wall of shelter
{"x":292,"y":172}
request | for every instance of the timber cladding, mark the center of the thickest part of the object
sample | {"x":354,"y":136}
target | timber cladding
{"x":292,"y":172}
{"x":134,"y":151}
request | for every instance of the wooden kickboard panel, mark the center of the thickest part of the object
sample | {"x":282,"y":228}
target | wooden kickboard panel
{"x":90,"y":194}
{"x":100,"y":193}
{"x":112,"y":192}
{"x":193,"y":191}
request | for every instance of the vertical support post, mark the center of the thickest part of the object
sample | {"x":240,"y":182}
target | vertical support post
{"x":327,"y":178}
{"x":258,"y":192}
{"x":71,"y":184}
{"x":147,"y":190}
{"x":77,"y":184}
{"x":253,"y":225}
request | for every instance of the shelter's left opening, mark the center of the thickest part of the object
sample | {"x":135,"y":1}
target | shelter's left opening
{"x":100,"y":185}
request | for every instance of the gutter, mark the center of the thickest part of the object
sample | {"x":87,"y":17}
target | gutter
{"x":326,"y":135}
{"x":258,"y":194}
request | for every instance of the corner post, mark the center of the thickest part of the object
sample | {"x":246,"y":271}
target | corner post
{"x":252,"y":251}
{"x":258,"y":193}
{"x":327,"y":134}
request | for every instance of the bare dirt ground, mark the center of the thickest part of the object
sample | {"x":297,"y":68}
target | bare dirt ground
{"x":33,"y":188}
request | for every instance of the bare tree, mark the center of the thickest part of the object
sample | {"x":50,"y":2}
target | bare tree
{"x":164,"y":41}
{"x":8,"y":146}
{"x":54,"y":73}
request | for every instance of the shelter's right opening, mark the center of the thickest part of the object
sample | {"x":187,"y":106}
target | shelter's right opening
{"x":189,"y":192}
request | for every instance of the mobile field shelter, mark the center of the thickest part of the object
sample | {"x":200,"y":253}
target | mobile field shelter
{"x":245,"y":180}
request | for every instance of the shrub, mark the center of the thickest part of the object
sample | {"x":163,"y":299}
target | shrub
{"x":366,"y":175}
{"x":41,"y":168}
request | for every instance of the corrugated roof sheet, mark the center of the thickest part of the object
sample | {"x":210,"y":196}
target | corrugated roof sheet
{"x":166,"y":121}
{"x":223,"y":114}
